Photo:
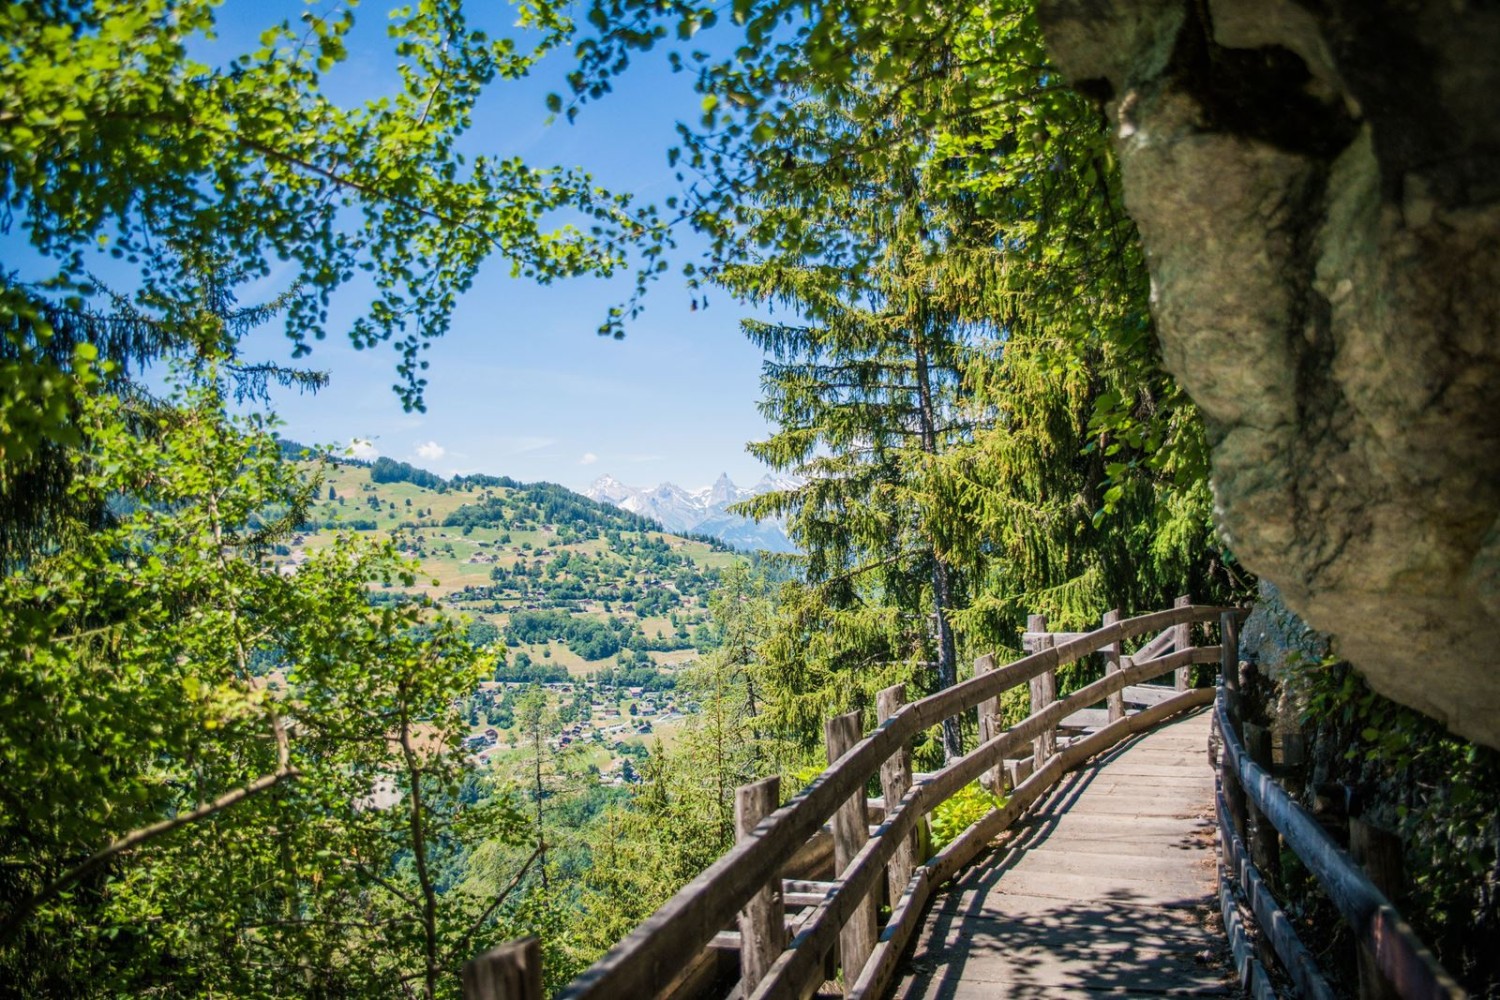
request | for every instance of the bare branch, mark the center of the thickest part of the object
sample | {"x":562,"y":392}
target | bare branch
{"x":515,"y":881}
{"x":383,"y":883}
{"x":132,"y":840}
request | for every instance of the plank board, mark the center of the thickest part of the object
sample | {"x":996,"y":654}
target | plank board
{"x":1085,"y":718}
{"x":1148,"y":694}
{"x":1106,"y":888}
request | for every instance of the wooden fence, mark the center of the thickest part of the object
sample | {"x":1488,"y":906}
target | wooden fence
{"x":1256,"y":816}
{"x":739,"y":905}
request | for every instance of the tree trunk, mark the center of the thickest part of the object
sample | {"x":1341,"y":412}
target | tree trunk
{"x":942,"y":584}
{"x":947,"y":664}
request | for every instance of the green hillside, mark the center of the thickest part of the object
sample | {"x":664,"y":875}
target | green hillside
{"x":565,"y":582}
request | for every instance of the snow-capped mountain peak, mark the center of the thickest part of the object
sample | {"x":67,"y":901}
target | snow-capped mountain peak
{"x":773,"y":483}
{"x":701,"y":511}
{"x":723,"y":492}
{"x":610,"y":490}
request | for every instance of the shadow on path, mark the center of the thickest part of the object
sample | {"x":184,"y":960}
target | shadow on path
{"x":1133,"y":916}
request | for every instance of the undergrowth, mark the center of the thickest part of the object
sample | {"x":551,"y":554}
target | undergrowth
{"x":1438,"y":793}
{"x":965,"y":808}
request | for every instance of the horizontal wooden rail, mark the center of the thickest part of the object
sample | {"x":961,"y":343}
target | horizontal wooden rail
{"x":648,"y":959}
{"x":1401,"y":956}
{"x":1251,"y":973}
{"x":1277,"y":927}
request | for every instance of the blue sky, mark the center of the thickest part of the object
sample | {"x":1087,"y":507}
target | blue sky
{"x":523,"y":386}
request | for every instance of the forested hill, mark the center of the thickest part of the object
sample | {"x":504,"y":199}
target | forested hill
{"x":571,"y":586}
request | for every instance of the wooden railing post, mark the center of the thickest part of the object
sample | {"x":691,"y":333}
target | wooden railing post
{"x":895,"y":782}
{"x":1229,"y":669}
{"x":1265,"y":843}
{"x":763,"y":920}
{"x":512,"y":971}
{"x":850,"y":833}
{"x":1262,"y":838}
{"x":1379,"y":854}
{"x":1112,"y":654}
{"x":1043,"y":693}
{"x":1182,"y":638}
{"x":989,"y":727}
{"x":1229,"y":661}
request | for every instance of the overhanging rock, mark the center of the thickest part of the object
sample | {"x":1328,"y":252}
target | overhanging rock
{"x":1319,"y":196}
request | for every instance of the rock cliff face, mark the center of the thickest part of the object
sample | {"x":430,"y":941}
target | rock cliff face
{"x":1318,"y":189}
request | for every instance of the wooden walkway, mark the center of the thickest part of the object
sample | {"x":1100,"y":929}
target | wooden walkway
{"x":1107,"y":888}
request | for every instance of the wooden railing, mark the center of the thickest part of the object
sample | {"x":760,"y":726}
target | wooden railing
{"x":1253,"y":812}
{"x":672,"y":953}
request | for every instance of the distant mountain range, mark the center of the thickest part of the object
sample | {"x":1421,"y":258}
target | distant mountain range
{"x":702,"y":512}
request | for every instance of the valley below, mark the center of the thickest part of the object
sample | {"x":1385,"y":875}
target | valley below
{"x":592,"y":604}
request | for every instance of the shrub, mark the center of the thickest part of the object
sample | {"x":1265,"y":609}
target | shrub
{"x":967,"y":806}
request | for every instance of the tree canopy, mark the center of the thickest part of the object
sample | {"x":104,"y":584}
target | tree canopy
{"x":222,"y":778}
{"x":969,"y":370}
{"x":118,"y":139}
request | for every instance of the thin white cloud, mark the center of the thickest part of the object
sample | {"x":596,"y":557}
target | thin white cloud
{"x":431,"y":451}
{"x":521,"y":444}
{"x":589,"y":458}
{"x":363,"y":449}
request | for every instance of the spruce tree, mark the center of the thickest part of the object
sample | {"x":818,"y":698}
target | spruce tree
{"x":866,"y":396}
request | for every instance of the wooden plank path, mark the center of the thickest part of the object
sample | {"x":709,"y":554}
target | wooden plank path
{"x":676,"y":951}
{"x":1107,"y":888}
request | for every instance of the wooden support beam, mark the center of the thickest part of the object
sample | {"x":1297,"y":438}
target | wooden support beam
{"x":1293,"y":750}
{"x":1112,"y":654}
{"x":850,"y":834}
{"x":1086,"y":719}
{"x":1148,"y":694}
{"x":1379,"y":854}
{"x":1017,"y":771}
{"x":1156,"y":647}
{"x":1229,"y":662}
{"x":1229,"y":686}
{"x":762,"y":921}
{"x":1234,"y":798}
{"x":989,"y":726}
{"x":512,"y":971}
{"x":735,"y":941}
{"x":1265,"y":843}
{"x":1029,"y":638}
{"x":1043,"y":693}
{"x":895,"y":782}
{"x":805,"y":892}
{"x":1182,"y":638}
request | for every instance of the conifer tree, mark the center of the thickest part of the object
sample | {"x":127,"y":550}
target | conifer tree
{"x":937,"y":173}
{"x":865,"y":397}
